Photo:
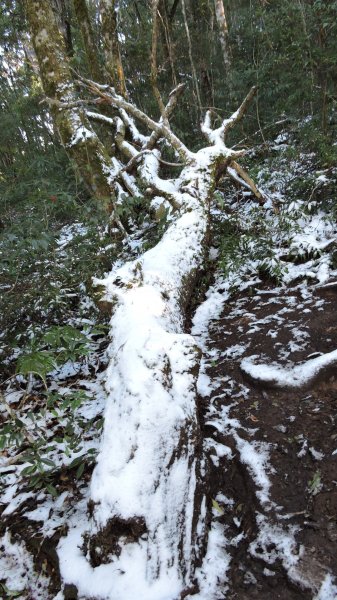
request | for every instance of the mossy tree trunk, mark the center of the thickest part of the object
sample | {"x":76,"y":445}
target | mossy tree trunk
{"x":112,"y":57}
{"x":87,"y":33}
{"x":77,"y":136}
{"x":63,"y":15}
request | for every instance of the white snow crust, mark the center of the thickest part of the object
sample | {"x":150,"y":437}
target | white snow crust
{"x":17,"y":568}
{"x":151,"y":400}
{"x":288,"y":377}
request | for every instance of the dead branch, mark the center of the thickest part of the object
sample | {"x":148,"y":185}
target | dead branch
{"x":125,"y":148}
{"x":109,"y":95}
{"x":216,"y":136}
{"x":67,"y":105}
{"x":228,"y":124}
{"x":169,"y":108}
{"x":243,"y":175}
{"x":100,"y":118}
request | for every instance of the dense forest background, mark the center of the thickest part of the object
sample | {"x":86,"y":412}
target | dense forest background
{"x":287,"y":49}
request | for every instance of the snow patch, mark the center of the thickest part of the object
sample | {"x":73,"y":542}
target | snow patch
{"x":288,"y":377}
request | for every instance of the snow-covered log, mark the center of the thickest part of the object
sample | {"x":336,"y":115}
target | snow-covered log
{"x":148,"y":497}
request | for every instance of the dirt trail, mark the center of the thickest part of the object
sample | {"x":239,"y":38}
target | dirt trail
{"x":274,"y":452}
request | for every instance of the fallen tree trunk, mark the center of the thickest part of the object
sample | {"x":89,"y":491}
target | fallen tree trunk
{"x":148,"y":488}
{"x":148,"y":495}
{"x":147,"y":503}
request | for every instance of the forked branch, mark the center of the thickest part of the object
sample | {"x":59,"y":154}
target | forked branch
{"x":216,"y":136}
{"x":109,"y":96}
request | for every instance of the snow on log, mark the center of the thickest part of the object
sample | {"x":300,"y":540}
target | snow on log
{"x":294,"y":376}
{"x":147,"y":492}
{"x":147,"y":532}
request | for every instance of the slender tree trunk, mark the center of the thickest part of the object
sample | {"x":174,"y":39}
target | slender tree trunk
{"x":167,"y":43}
{"x":223,"y":32}
{"x":112,"y":56}
{"x":84,"y":21}
{"x":190,"y":52}
{"x":308,"y":50}
{"x":76,"y":133}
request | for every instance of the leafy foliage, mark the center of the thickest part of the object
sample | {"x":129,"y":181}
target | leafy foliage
{"x":37,"y":363}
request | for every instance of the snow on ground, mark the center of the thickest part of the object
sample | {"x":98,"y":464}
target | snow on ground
{"x":292,"y":376}
{"x":147,"y":333}
{"x":16,"y":565}
{"x":275,"y":541}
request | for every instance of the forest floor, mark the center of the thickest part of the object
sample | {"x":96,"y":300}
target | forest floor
{"x":273,"y":456}
{"x":272,"y":451}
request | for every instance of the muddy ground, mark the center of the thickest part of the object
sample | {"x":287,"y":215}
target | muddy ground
{"x":298,"y":425}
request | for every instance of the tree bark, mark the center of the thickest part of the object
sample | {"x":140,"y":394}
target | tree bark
{"x":223,"y":32}
{"x":87,"y":33}
{"x":76,"y":133}
{"x":62,"y":9}
{"x":112,"y":57}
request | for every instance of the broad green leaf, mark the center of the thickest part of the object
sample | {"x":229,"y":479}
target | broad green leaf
{"x":80,"y":470}
{"x":38,"y":363}
{"x":217,"y":507}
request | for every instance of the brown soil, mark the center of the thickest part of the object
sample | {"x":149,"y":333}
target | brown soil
{"x":299,"y":425}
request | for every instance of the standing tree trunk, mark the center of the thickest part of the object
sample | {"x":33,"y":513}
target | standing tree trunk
{"x":62,"y":9}
{"x":190,"y":53}
{"x":76,"y":133}
{"x":87,"y":33}
{"x":112,"y":57}
{"x":223,"y":33}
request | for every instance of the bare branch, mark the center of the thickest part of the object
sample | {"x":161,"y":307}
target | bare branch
{"x":228,"y":124}
{"x":110,"y":97}
{"x":100,"y":118}
{"x":169,"y":108}
{"x":127,"y":149}
{"x":134,"y":160}
{"x":206,"y":126}
{"x":216,"y":136}
{"x":244,"y":179}
{"x":65,"y":105}
{"x":130,"y":124}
